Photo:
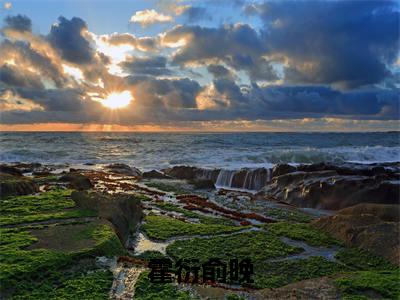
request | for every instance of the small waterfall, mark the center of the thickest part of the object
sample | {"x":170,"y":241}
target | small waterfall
{"x":254,"y":179}
{"x":225,"y":178}
{"x":245,"y":179}
{"x":206,"y":174}
{"x":269,"y":175}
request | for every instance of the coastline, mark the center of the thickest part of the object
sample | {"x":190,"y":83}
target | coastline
{"x":323,"y":215}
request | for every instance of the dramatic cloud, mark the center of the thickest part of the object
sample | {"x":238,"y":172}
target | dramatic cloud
{"x":147,"y":66}
{"x":150,"y":16}
{"x":164,"y":94}
{"x":219,"y":71}
{"x":283,"y":61}
{"x":19,"y":23}
{"x":11,"y":76}
{"x":193,"y":13}
{"x":346,"y":43}
{"x":67,"y":37}
{"x":25,"y":59}
{"x":141,"y":44}
{"x":237,"y":45}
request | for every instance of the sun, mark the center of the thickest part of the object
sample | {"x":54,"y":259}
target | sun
{"x":117,"y":100}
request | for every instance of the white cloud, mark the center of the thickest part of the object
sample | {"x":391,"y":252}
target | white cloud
{"x":150,"y":16}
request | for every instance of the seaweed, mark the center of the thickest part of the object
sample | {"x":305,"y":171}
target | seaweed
{"x":146,"y":290}
{"x":162,"y":228}
{"x":370,"y":284}
{"x":302,"y":232}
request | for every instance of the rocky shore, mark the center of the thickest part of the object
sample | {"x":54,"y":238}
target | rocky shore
{"x":321,"y":231}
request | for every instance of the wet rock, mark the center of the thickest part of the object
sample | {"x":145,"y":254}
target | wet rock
{"x":27,"y":167}
{"x":124,"y":170}
{"x":10,"y":170}
{"x":368,"y":232}
{"x":42,"y":171}
{"x":202,"y":184}
{"x":316,"y":288}
{"x":181,"y":172}
{"x":154,"y":174}
{"x":329,"y":190}
{"x":352,"y":168}
{"x":123,"y":211}
{"x":249,"y":179}
{"x":191,"y":173}
{"x":282,"y":169}
{"x":385,"y":212}
{"x":16,"y":185}
{"x":77,"y":181}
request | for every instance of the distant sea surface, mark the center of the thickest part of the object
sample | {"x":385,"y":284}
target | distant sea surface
{"x":211,"y":150}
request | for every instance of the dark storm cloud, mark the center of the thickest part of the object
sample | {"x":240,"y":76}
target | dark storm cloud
{"x":69,"y":100}
{"x":329,"y":55}
{"x":305,"y":100}
{"x":237,"y":45}
{"x":12,"y":76}
{"x":208,"y":43}
{"x":66,"y":36}
{"x":195,"y":14}
{"x":164,"y":93}
{"x":348,"y":43}
{"x":18,"y":22}
{"x":219,"y":71}
{"x":26,"y":56}
{"x":343,"y":43}
{"x":229,"y":89}
{"x":155,"y":66}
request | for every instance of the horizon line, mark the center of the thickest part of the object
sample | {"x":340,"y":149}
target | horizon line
{"x":197,"y":131}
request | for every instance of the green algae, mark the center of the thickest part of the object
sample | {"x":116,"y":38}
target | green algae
{"x":360,"y":259}
{"x":256,"y":245}
{"x":280,"y":273}
{"x":162,"y":228}
{"x":167,"y":187}
{"x":370,"y":285}
{"x":287,"y":215}
{"x":90,"y":284}
{"x":24,"y":270}
{"x":189,"y":214}
{"x":146,"y":290}
{"x":54,"y":204}
{"x":302,"y":232}
{"x":150,"y":254}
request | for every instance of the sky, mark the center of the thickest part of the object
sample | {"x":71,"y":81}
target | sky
{"x":231,"y":65}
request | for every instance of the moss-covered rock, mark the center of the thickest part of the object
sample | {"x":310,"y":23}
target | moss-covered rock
{"x":370,"y":285}
{"x":11,"y":185}
{"x":146,"y":290}
{"x":77,"y":181}
{"x":256,"y":245}
{"x":302,"y":232}
{"x":162,"y":228}
{"x":122,"y":210}
{"x":35,"y":260}
{"x":52,"y":205}
{"x":365,"y":231}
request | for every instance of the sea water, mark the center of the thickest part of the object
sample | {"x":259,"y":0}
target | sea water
{"x":230,"y":151}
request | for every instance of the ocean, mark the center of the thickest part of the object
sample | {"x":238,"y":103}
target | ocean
{"x":229,"y":151}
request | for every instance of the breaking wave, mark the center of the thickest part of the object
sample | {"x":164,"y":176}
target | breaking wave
{"x":227,"y":151}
